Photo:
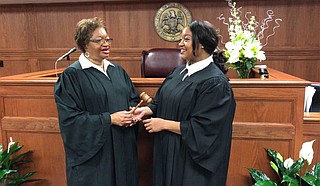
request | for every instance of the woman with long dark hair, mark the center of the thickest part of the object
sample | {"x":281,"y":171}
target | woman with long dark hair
{"x":192,"y":115}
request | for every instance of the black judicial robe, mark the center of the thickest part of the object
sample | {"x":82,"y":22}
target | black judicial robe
{"x":97,"y":153}
{"x":204,"y":105}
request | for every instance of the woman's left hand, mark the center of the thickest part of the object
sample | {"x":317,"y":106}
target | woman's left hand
{"x":159,"y":124}
{"x":154,"y":124}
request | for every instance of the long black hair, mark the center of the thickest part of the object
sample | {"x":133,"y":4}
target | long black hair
{"x":204,"y":33}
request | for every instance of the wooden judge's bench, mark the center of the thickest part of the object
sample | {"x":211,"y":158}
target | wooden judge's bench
{"x":269,"y":114}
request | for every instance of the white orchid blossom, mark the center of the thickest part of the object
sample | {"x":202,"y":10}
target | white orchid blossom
{"x":306,"y":151}
{"x":261,"y":56}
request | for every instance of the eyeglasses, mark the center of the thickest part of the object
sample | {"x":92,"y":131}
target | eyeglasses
{"x":101,"y":41}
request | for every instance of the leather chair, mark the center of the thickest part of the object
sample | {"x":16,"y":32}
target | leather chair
{"x":159,"y":62}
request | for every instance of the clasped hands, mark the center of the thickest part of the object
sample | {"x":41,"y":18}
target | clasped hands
{"x":151,"y":124}
{"x":129,"y":118}
{"x":126,"y":118}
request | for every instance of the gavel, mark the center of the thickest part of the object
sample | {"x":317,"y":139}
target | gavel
{"x":144,"y":97}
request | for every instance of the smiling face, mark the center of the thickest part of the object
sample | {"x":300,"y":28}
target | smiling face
{"x":186,"y":44}
{"x":98,"y":51}
{"x":193,"y":52}
{"x":186,"y":47}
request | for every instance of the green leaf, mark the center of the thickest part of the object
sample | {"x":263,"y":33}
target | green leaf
{"x":309,"y":178}
{"x":277,"y":159}
{"x":11,"y":163}
{"x":291,"y":181}
{"x":274,"y":167}
{"x":265,"y":183}
{"x":316,"y":170}
{"x":296,"y":166}
{"x":20,"y":180}
{"x":258,"y":175}
{"x":5,"y":172}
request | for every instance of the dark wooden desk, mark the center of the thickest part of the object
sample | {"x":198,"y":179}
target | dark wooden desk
{"x":269,"y":114}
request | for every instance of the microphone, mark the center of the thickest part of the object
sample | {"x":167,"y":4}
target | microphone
{"x":67,"y":54}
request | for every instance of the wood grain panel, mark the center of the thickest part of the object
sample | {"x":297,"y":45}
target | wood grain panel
{"x":264,"y":110}
{"x":15,"y":27}
{"x":132,"y":26}
{"x":48,"y":164}
{"x":248,"y":130}
{"x":37,"y":34}
{"x":251,"y":154}
{"x":31,"y":124}
{"x":38,"y":106}
{"x":55,"y":26}
{"x":19,"y":66}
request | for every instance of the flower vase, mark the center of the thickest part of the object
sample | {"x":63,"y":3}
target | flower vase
{"x":243,"y":73}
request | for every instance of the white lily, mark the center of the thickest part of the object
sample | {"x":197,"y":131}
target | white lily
{"x":248,"y":52}
{"x":306,"y":151}
{"x":234,"y":56}
{"x":288,"y":163}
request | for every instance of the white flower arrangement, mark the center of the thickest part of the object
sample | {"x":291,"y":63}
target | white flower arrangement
{"x":245,"y":47}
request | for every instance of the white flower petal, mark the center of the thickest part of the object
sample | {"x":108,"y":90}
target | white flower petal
{"x":306,"y":151}
{"x":261,"y":56}
{"x":248,"y":53}
{"x":10,"y":144}
{"x":288,"y":163}
{"x":229,"y":46}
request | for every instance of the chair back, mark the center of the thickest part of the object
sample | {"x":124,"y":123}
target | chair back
{"x":159,"y":62}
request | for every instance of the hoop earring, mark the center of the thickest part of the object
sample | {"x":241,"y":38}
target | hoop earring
{"x":86,"y":54}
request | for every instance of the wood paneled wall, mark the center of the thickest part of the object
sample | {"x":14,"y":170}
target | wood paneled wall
{"x":33,"y":36}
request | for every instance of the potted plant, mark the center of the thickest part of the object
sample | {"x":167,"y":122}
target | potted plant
{"x":290,"y":172}
{"x":11,"y":163}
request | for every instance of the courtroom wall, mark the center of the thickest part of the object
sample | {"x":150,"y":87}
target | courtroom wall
{"x":33,"y":36}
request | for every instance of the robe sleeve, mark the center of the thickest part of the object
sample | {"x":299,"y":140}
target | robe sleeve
{"x":134,"y":97}
{"x":154,"y":104}
{"x":208,"y":133}
{"x":83,"y":133}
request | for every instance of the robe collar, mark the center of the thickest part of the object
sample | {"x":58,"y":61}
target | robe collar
{"x":85,"y":63}
{"x":195,"y":67}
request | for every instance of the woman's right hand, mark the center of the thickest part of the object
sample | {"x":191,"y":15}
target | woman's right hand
{"x":122,"y":118}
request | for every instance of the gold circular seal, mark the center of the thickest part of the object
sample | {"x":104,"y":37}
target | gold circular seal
{"x":170,"y":20}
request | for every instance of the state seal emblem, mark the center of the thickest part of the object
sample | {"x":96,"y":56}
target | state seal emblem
{"x":170,"y":20}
